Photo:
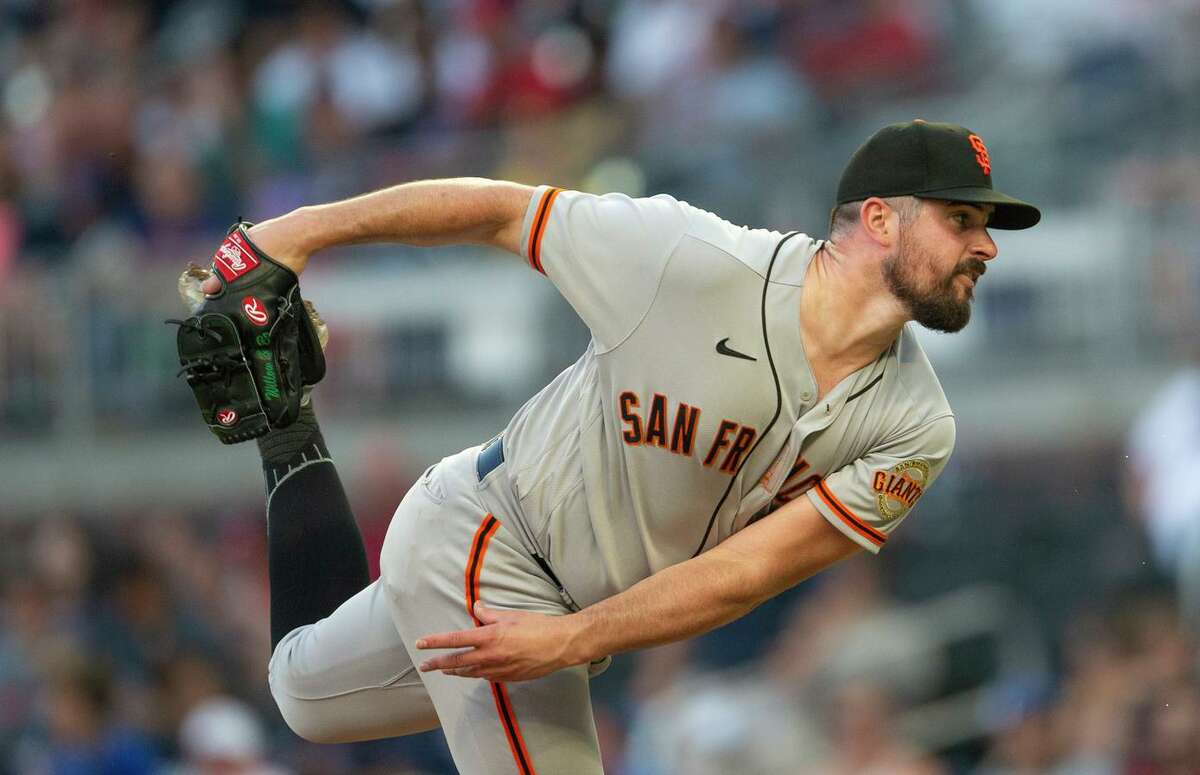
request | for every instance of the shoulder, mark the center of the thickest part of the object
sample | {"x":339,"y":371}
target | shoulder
{"x":695,"y":222}
{"x":782,"y":256}
{"x":708,"y":227}
{"x":752,"y":247}
{"x":671,"y":227}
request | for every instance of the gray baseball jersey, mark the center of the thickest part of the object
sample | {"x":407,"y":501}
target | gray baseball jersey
{"x":693,"y":410}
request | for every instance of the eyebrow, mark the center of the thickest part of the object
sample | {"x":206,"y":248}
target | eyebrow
{"x":974,"y":206}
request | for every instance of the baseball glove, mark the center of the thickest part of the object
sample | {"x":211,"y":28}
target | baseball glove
{"x":249,"y":350}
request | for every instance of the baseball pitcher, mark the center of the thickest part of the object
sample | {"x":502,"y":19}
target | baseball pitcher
{"x":752,"y":407}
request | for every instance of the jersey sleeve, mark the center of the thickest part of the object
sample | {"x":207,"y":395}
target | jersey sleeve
{"x":605,"y":254}
{"x":868,"y":498}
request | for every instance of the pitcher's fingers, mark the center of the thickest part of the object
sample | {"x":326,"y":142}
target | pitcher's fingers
{"x":453,"y":640}
{"x":455,"y":661}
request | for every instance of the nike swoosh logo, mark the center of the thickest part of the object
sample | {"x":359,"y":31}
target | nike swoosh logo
{"x":725,"y":349}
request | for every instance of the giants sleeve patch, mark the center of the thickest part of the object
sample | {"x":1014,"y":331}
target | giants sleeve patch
{"x":900,"y":487}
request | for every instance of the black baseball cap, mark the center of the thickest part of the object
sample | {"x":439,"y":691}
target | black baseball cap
{"x":931,"y":161}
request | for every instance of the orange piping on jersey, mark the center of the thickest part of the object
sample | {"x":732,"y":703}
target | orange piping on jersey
{"x":535,"y":229}
{"x":508,"y":719}
{"x":847,"y":516}
{"x":475,"y":561}
{"x":539,"y":228}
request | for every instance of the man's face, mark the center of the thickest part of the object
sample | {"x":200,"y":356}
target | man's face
{"x":939,"y":258}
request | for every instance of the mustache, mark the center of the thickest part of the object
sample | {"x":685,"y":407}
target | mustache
{"x":972,"y":266}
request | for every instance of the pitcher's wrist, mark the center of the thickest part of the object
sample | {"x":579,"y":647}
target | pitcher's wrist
{"x":580,"y":643}
{"x":286,"y":239}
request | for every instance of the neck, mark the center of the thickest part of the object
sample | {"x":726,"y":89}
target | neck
{"x":847,"y":314}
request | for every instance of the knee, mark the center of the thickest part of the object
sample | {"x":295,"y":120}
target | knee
{"x":308,"y":720}
{"x":341,"y":707}
{"x":305,"y":726}
{"x":348,"y":717}
{"x":319,"y":721}
{"x":304,"y":717}
{"x":315,"y":730}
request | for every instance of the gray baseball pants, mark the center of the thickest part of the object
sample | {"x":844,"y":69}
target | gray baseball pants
{"x":351,"y":676}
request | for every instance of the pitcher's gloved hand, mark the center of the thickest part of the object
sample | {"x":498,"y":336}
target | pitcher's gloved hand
{"x":249,"y":349}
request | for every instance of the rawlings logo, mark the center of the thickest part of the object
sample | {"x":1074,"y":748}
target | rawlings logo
{"x":256,"y":313}
{"x":227,"y":417}
{"x":234,"y":258}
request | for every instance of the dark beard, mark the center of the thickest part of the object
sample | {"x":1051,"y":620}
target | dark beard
{"x":937,"y":309}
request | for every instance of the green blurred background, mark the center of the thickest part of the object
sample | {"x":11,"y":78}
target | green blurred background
{"x":1037,"y":614}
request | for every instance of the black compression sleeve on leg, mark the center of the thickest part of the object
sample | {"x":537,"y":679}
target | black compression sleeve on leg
{"x":315,"y":551}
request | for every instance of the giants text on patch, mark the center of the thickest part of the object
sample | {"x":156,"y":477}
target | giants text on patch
{"x":898,"y":488}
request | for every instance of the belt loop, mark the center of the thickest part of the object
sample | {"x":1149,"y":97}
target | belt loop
{"x":491,"y":456}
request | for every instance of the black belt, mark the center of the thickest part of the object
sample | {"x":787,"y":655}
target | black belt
{"x":489,"y":457}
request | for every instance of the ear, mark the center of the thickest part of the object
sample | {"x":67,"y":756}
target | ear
{"x":880,"y":222}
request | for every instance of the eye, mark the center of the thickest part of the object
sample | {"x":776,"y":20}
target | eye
{"x":962,"y":219}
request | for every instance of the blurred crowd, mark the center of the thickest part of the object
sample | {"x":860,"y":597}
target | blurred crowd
{"x":137,"y":642}
{"x":162,"y":118}
{"x":1036,"y":637}
{"x":159,"y":119}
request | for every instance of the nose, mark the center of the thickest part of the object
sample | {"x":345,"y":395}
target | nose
{"x":986,"y":248}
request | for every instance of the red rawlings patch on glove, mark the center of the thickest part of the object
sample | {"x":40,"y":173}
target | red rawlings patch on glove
{"x":255,"y":312}
{"x":235,"y":257}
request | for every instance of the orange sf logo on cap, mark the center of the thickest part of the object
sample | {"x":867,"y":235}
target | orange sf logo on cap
{"x":981,"y":154}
